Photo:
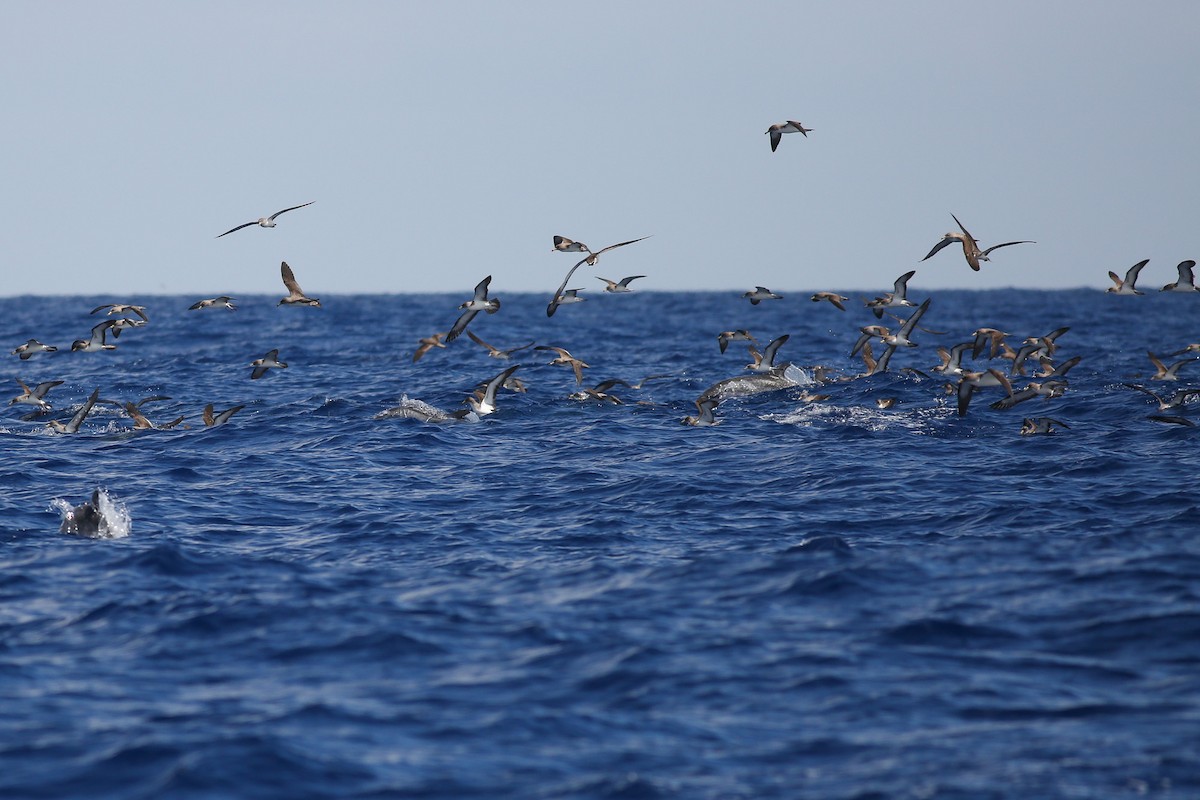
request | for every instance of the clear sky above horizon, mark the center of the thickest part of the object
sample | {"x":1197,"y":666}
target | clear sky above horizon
{"x":444,"y":142}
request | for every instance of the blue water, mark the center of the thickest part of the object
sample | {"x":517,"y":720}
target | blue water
{"x":585,"y":600}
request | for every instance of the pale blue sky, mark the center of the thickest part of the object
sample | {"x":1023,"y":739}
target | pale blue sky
{"x":445,"y":141}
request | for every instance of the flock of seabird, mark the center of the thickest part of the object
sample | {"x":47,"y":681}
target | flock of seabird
{"x":765,"y":373}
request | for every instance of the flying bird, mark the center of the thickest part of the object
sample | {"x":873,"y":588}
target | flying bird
{"x":96,"y":341}
{"x":483,"y":400}
{"x":224,"y":301}
{"x":704,"y":416}
{"x":1186,"y":281}
{"x":479,"y":302}
{"x":220,"y":417}
{"x":496,"y":352}
{"x":590,"y":259}
{"x":897,"y":298}
{"x":777,"y":131}
{"x":35,"y":396}
{"x":77,"y":418}
{"x":621,"y":286}
{"x":567,"y":360}
{"x":1032,"y":426}
{"x":970,"y":246}
{"x":564,"y":245}
{"x":32,"y":348}
{"x":740,"y":335}
{"x":266,"y":222}
{"x":122,"y":308}
{"x":1126,"y":285}
{"x":833,"y":298}
{"x":269,"y":361}
{"x":295,"y":293}
{"x":428,"y":343}
{"x":761,"y":293}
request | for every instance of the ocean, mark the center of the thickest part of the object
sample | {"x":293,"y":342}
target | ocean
{"x":814,"y":598}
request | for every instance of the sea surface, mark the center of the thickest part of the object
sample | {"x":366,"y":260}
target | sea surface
{"x":566,"y":599}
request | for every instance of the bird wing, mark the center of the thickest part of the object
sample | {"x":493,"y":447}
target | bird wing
{"x":937,"y":247}
{"x":293,"y":208}
{"x":289,"y":279}
{"x":479,"y":341}
{"x":79,"y":416}
{"x":460,"y":324}
{"x":966,"y":233}
{"x":911,"y":322}
{"x":238,"y":228}
{"x":550,"y":309}
{"x":1006,"y":244}
{"x":615,"y":246}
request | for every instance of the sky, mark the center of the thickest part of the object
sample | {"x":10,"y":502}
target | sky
{"x":442,"y":142}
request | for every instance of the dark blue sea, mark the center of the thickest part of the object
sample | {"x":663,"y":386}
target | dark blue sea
{"x":566,"y":599}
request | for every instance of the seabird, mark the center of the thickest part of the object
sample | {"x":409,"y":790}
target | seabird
{"x":122,"y":308}
{"x":725,"y":337}
{"x":952,"y":359}
{"x":777,"y":131}
{"x":122,"y":323}
{"x":479,"y":302}
{"x":834,"y":299}
{"x":619,"y":287}
{"x":220,"y":417}
{"x":590,"y":259}
{"x":984,"y":336}
{"x":867,"y":333}
{"x":566,"y":359}
{"x":426,"y":344}
{"x":570,"y":296}
{"x":564,"y":245}
{"x":970,"y":246}
{"x":901,"y":337}
{"x":1046,"y":389}
{"x":601,"y":391}
{"x":35,"y":396}
{"x":1126,"y":285}
{"x":1165,"y":373}
{"x":269,"y":361}
{"x":77,"y":418}
{"x":761,"y":293}
{"x":96,"y":342}
{"x":483,"y":401}
{"x":266,"y":222}
{"x":1040,"y":425}
{"x":704,"y":416}
{"x":295,"y":293}
{"x":971,"y":381}
{"x":140,"y":422}
{"x":1176,"y":400}
{"x":223,"y":301}
{"x":32,"y":348}
{"x":765,"y":361}
{"x":1186,"y":282}
{"x":496,"y":352}
{"x":897,"y":298}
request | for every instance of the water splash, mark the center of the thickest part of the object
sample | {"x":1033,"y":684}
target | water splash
{"x":114,"y":520}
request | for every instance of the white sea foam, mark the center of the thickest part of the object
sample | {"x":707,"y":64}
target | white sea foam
{"x":115,"y":519}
